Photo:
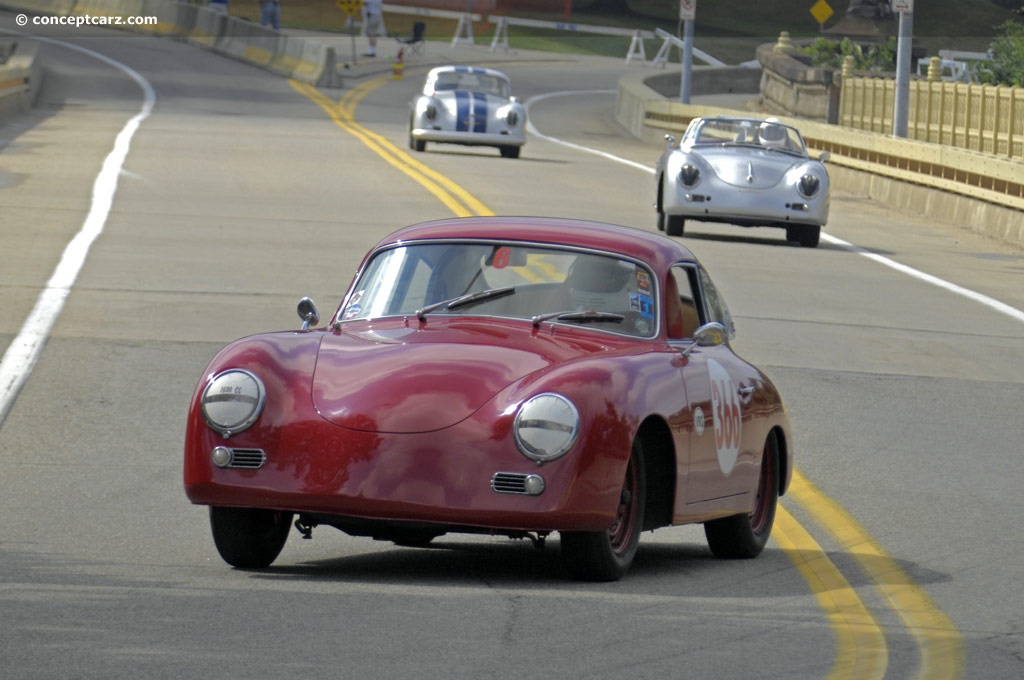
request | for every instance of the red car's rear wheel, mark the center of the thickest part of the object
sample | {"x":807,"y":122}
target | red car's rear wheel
{"x":744,"y":536}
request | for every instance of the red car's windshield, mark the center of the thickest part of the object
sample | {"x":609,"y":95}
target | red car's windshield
{"x":511,"y":280}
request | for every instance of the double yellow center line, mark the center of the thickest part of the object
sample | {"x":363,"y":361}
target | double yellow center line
{"x":454,"y":197}
{"x":861,"y":647}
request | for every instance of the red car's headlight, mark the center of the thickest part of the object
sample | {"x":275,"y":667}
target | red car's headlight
{"x":546,"y":427}
{"x":233,"y":401}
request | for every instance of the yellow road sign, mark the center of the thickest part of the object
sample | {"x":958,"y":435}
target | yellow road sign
{"x":822,"y":11}
{"x":350,"y":7}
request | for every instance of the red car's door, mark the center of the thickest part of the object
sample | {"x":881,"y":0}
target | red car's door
{"x":723,"y":456}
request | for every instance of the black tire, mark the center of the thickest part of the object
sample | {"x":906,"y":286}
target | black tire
{"x":744,"y":536}
{"x":248,"y":538}
{"x":417,"y":144}
{"x":658,"y":205}
{"x":675,"y":225}
{"x":509,"y":151}
{"x":607,"y":555}
{"x":809,"y":237}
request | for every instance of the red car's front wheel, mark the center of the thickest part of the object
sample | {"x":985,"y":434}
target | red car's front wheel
{"x":248,"y":538}
{"x":607,"y":555}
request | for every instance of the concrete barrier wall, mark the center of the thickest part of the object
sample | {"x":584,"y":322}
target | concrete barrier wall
{"x":299,"y":58}
{"x":21,"y":76}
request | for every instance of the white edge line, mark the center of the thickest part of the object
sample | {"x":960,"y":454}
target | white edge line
{"x":23,"y":352}
{"x":974,"y":296}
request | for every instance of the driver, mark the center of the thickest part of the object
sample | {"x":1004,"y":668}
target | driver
{"x":772,"y":134}
{"x":600,"y":284}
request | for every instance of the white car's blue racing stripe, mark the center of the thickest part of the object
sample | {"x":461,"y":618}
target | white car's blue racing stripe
{"x":480,"y":113}
{"x":461,"y":111}
{"x":470,"y":105}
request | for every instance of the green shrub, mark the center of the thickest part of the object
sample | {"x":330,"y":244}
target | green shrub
{"x":830,"y":54}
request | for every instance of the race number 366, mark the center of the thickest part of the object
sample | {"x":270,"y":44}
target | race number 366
{"x":726,"y":414}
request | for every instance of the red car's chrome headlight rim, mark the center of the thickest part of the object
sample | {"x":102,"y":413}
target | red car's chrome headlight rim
{"x":546,"y":427}
{"x":233,"y":401}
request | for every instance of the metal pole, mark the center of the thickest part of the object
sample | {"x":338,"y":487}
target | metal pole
{"x":684,"y":84}
{"x":903,"y":49}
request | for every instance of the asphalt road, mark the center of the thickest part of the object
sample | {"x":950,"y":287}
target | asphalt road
{"x":239,"y":194}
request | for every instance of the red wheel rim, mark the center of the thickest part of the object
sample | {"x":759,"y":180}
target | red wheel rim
{"x":621,"y":533}
{"x":762,"y":503}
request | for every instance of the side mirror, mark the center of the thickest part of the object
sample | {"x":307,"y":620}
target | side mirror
{"x":308,"y":313}
{"x":670,"y":141}
{"x":709,"y":335}
{"x":824,"y":156}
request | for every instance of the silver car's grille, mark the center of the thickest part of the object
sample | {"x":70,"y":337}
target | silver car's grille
{"x":508,"y":482}
{"x":247,"y":459}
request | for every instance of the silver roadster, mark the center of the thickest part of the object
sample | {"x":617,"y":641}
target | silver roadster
{"x":751,"y":172}
{"x":470,"y":106}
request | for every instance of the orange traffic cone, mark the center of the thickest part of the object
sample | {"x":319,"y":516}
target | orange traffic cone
{"x":398,"y":67}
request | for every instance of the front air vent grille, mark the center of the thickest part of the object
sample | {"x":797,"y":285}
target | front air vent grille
{"x":247,"y":459}
{"x":508,"y":482}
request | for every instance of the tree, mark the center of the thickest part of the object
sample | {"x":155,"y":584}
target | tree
{"x":1007,"y":52}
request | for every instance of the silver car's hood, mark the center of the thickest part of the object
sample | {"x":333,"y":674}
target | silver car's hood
{"x":750,"y":168}
{"x":480,"y":103}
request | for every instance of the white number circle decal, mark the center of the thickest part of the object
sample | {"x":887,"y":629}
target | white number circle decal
{"x":726,"y":415}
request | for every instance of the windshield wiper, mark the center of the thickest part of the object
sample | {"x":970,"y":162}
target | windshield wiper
{"x":465,"y":300}
{"x":583,"y":316}
{"x":788,"y":152}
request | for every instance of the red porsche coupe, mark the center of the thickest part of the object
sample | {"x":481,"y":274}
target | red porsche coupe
{"x":517,"y":376}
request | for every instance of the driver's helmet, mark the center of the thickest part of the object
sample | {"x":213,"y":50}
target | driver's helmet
{"x":772,"y":133}
{"x":600,"y":283}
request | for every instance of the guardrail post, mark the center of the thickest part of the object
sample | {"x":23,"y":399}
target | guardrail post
{"x":465,"y":26}
{"x":661,"y":58}
{"x":636,"y":46}
{"x":500,"y":35}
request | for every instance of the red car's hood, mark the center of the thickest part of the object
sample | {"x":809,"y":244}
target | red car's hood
{"x":750,"y":168}
{"x":416,"y":379}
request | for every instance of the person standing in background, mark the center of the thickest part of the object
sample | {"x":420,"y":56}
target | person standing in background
{"x":373,"y":16}
{"x":271,"y":14}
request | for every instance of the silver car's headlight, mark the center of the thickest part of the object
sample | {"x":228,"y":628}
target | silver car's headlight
{"x":233,"y":401}
{"x":808,"y":186}
{"x":546,"y":427}
{"x":512,"y":118}
{"x":689,"y":175}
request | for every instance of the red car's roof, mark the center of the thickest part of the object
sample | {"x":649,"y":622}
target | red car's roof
{"x":657,"y":250}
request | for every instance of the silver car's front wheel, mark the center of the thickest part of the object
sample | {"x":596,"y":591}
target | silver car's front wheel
{"x":807,"y":236}
{"x":674,"y":225}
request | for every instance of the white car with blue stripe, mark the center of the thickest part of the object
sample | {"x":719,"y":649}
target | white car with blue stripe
{"x":470,"y":106}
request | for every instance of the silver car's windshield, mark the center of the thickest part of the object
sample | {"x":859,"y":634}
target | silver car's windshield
{"x":471,"y":81}
{"x":753,"y":132}
{"x":508,"y":280}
